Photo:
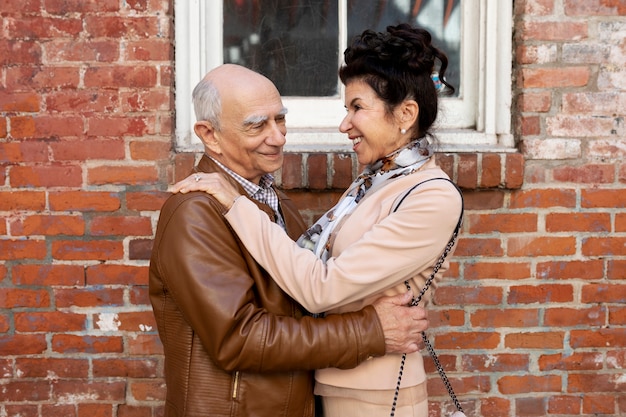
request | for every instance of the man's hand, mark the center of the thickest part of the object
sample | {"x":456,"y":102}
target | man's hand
{"x":402,"y":325}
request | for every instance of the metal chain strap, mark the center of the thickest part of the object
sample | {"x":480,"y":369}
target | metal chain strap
{"x":414,"y":302}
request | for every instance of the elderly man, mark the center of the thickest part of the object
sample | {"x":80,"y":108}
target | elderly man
{"x":235,"y":343}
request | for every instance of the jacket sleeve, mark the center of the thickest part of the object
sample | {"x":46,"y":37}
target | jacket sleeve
{"x":399,"y":246}
{"x":205,"y":268}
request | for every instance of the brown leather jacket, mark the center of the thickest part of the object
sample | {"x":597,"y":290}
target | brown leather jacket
{"x":235,"y":344}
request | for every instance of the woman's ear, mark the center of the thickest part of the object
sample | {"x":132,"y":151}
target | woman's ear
{"x":409,"y":111}
{"x":207,"y":134}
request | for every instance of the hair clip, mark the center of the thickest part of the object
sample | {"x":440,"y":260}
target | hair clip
{"x":439,"y":86}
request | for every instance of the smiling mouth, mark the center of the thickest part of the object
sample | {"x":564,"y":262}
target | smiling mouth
{"x":356,"y":141}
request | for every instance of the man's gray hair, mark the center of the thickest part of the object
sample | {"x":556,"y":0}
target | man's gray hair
{"x":207,"y":103}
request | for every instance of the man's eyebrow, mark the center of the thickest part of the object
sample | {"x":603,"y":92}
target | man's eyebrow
{"x":259,"y":119}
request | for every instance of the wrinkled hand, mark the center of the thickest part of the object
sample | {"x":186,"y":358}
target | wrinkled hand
{"x":402,"y":325}
{"x":214,"y":184}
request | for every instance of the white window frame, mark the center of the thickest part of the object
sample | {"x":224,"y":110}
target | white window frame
{"x":478,"y":120}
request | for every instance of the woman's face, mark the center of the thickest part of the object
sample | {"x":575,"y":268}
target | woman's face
{"x":374,"y":133}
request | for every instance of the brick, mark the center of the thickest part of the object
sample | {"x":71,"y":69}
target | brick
{"x":90,"y":100}
{"x":594,"y":8}
{"x":124,"y":410}
{"x":63,"y":7}
{"x":68,"y":344}
{"x":121,"y":126}
{"x":593,"y":382}
{"x":45,"y":367}
{"x":291,"y":172}
{"x":84,"y":150}
{"x":490,"y":173}
{"x":501,"y":362}
{"x":23,"y":298}
{"x":101,"y":250}
{"x":128,"y":174}
{"x":118,"y":77}
{"x":84,"y":201}
{"x":149,"y":150}
{"x":121,"y":226}
{"x":342,"y":171}
{"x":546,"y":149}
{"x":617,"y":316}
{"x":147,"y":390}
{"x":126,"y":367}
{"x":478,"y":247}
{"x":565,"y":404}
{"x":105,"y":274}
{"x":543,"y":198}
{"x":598,"y":404}
{"x":149,"y":50}
{"x":46,"y":176}
{"x":537,"y":340}
{"x":22,"y":344}
{"x":598,"y":338}
{"x":606,"y":150}
{"x":535,"y":102}
{"x":49,"y":275}
{"x":146,"y":101}
{"x":63,"y":51}
{"x":144,"y":344}
{"x":136,"y":27}
{"x":45,"y":126}
{"x":573,"y":317}
{"x":49,"y":322}
{"x":580,"y":126}
{"x":537,"y":54}
{"x":501,"y":223}
{"x":529,"y":383}
{"x":38,"y":27}
{"x":534,"y":7}
{"x":576,"y":361}
{"x":493,"y":406}
{"x":603,"y":293}
{"x":19,"y":102}
{"x":616,"y":269}
{"x":497,"y":270}
{"x":47,"y":225}
{"x":138,"y":295}
{"x":18,"y":52}
{"x":140,"y":249}
{"x":571,"y":269}
{"x":137,"y":321}
{"x":89,"y":297}
{"x":514,"y":171}
{"x":483,"y":200}
{"x":95,"y":410}
{"x":145,"y":200}
{"x":19,"y":152}
{"x":545,"y":293}
{"x":602,"y":198}
{"x":598,"y":103}
{"x":22,"y":249}
{"x":530,"y":407}
{"x":578,"y":222}
{"x":317,"y":171}
{"x":58,"y":410}
{"x":23,"y":391}
{"x":459,"y":295}
{"x":529,"y":126}
{"x":540,"y":246}
{"x":554,"y":77}
{"x":22,"y":200}
{"x":512,"y":317}
{"x":603,"y":246}
{"x":42,"y":76}
{"x":467,"y":171}
{"x":553,"y":31}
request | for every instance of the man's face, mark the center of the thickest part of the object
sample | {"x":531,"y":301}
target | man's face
{"x":253,"y":129}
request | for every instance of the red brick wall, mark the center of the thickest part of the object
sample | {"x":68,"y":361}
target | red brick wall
{"x":530,"y":321}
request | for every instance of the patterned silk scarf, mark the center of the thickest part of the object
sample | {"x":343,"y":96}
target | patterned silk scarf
{"x":401,"y":162}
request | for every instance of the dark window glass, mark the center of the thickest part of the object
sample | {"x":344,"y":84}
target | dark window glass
{"x":295,"y":42}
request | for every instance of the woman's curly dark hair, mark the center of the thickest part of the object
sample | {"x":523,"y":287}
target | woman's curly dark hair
{"x":398,"y":65}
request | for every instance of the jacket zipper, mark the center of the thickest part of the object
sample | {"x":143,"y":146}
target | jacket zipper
{"x":235,"y":385}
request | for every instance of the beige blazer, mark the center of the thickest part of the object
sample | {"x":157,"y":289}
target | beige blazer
{"x":374,"y":251}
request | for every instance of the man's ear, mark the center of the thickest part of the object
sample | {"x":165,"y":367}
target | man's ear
{"x":207,"y":134}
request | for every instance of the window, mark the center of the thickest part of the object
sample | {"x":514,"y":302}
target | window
{"x":286,"y":39}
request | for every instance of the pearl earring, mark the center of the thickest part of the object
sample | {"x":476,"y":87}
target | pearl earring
{"x":403,"y":131}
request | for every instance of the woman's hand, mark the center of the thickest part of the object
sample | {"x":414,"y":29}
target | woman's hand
{"x":214,"y":184}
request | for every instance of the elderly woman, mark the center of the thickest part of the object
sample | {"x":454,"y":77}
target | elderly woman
{"x":387,"y":231}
